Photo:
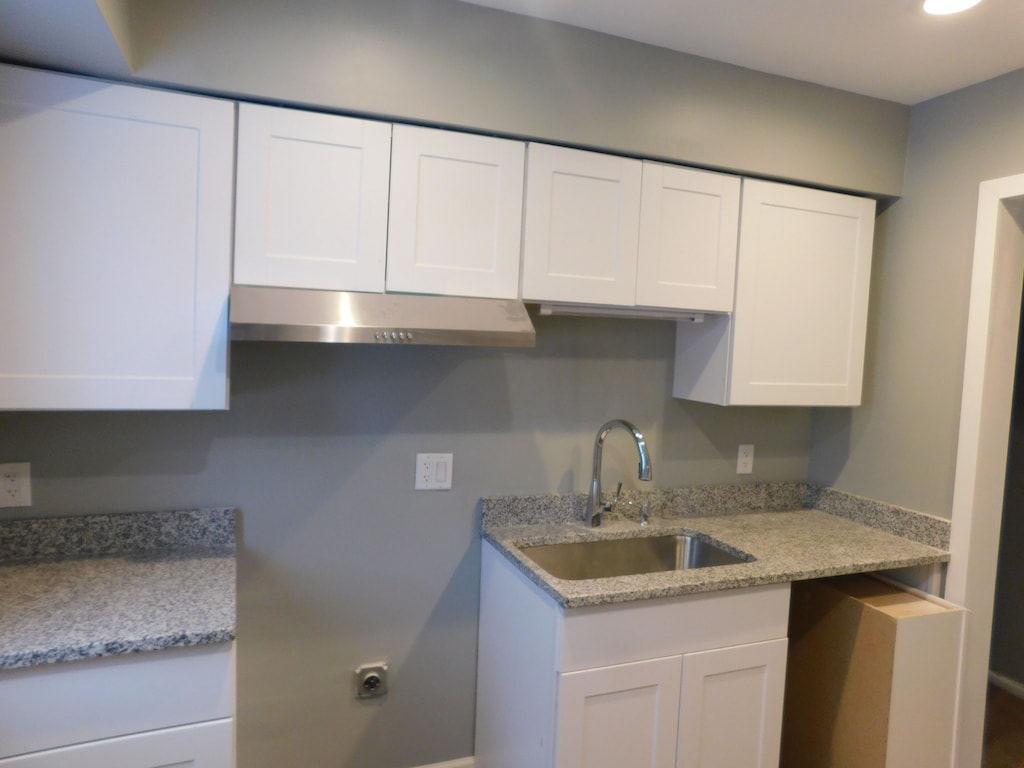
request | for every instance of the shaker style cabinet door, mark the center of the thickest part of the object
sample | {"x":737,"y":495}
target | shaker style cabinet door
{"x":582,"y":225}
{"x":798,"y":329}
{"x":455,"y":216}
{"x":115,"y":260}
{"x":622,"y":715}
{"x":689,"y":224}
{"x":801,"y":296}
{"x":312,"y":200}
{"x":731,"y":712}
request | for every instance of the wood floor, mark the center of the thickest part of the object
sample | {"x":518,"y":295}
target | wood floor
{"x":1004,"y":730}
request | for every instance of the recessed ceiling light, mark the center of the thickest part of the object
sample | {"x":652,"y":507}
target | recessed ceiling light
{"x":944,"y":7}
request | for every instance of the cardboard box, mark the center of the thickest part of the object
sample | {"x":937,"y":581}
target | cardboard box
{"x":872,"y":676}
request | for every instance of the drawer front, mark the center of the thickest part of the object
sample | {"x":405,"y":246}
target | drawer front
{"x":78,"y":701}
{"x":614,"y":634}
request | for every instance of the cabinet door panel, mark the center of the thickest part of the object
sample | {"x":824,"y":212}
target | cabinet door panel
{"x":312,"y":200}
{"x":731,"y":711}
{"x":689,"y":222}
{"x":582,"y":225}
{"x":456,"y":211}
{"x":115,"y":207}
{"x":203,"y":745}
{"x":622,"y":715}
{"x":801,"y":296}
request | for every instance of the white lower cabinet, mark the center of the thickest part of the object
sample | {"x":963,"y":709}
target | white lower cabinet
{"x":731,"y":710}
{"x":148,"y":710}
{"x":626,"y":714}
{"x":203,"y":745}
{"x":684,"y":682}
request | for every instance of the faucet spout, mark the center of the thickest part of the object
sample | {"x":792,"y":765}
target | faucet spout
{"x":594,"y":505}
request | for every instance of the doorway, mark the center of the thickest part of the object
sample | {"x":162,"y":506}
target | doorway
{"x":981,"y":463}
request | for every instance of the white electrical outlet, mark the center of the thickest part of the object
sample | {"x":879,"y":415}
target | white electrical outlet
{"x":15,"y":488}
{"x":433,"y":471}
{"x":745,"y":460}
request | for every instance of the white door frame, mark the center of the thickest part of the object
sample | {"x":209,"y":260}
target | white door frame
{"x":986,"y":402}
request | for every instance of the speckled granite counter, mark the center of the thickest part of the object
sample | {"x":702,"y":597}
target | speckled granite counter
{"x":769,"y":521}
{"x":98,"y":585}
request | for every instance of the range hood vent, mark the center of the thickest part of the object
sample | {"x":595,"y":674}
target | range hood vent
{"x":297,"y":314}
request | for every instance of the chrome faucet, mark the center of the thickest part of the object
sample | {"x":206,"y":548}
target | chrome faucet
{"x":594,"y":505}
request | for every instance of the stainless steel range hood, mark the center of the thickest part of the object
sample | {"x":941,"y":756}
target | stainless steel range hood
{"x":296,"y":314}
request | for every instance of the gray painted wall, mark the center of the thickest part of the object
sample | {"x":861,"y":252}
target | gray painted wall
{"x":901,"y":444}
{"x":341,"y":562}
{"x":448,"y":63}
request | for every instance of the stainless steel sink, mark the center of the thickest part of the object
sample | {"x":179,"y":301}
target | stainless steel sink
{"x":626,"y":557}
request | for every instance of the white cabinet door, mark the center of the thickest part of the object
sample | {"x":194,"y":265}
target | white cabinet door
{"x":689,"y":222}
{"x":801,"y":295}
{"x":582,"y":224}
{"x":731,"y":711}
{"x":203,"y":745}
{"x":456,"y":212}
{"x":312,"y":200}
{"x":622,"y":715}
{"x":115,"y":208}
{"x":797,"y":333}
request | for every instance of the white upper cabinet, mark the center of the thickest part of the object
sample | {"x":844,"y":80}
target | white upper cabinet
{"x":689,"y":224}
{"x":613,"y":231}
{"x":455,"y":213}
{"x":115,"y":208}
{"x":582,"y":226}
{"x":312,"y":200}
{"x":797,"y":334}
{"x":338,"y":203}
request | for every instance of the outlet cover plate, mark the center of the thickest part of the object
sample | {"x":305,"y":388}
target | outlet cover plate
{"x":15,"y":484}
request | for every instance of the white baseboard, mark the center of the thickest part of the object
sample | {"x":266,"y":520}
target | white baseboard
{"x":1008,"y":684}
{"x":465,"y":762}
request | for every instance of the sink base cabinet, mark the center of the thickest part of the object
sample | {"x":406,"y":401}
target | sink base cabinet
{"x":625,"y":714}
{"x":655,"y":682}
{"x":732,"y":704}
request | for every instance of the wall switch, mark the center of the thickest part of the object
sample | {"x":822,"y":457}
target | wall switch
{"x":433,"y":471}
{"x":15,"y":488}
{"x":745,"y":460}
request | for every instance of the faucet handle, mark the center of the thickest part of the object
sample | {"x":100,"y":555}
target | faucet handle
{"x":608,"y":506}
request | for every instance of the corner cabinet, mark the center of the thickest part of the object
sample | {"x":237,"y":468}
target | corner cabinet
{"x":338,"y":203}
{"x":115,"y":207}
{"x":618,"y":232}
{"x":797,"y":332}
{"x":687,"y":682}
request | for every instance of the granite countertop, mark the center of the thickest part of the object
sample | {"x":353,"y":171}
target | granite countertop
{"x":789,"y":544}
{"x":100,"y":585}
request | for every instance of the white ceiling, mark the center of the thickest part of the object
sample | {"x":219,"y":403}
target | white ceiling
{"x":889,"y":49}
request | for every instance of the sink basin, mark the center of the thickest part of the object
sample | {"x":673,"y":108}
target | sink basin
{"x":626,"y":557}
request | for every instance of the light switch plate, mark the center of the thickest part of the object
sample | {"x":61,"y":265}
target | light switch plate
{"x":433,"y":471}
